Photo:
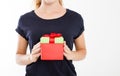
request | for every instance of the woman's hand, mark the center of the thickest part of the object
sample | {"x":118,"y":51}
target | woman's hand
{"x":35,"y":53}
{"x":68,"y":53}
{"x":73,"y":55}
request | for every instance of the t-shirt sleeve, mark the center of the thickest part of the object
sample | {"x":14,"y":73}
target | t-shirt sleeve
{"x":20,"y":28}
{"x":80,"y":26}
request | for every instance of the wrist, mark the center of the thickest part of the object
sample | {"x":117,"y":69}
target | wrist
{"x":30,"y":59}
{"x":77,"y":55}
{"x":73,"y":55}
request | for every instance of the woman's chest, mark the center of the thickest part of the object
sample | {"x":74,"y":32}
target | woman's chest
{"x":38,"y":29}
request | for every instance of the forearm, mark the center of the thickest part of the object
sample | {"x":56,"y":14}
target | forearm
{"x":78,"y":55}
{"x":22,"y":59}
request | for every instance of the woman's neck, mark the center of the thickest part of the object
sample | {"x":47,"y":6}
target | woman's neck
{"x":49,"y":7}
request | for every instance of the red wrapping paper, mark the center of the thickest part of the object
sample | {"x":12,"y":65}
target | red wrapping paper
{"x":51,"y":50}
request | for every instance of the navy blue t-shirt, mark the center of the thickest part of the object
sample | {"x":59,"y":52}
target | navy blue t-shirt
{"x":31,"y":27}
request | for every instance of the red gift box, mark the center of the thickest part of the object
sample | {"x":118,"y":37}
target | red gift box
{"x":52,"y":50}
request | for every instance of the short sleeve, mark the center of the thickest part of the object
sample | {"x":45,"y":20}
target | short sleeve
{"x":80,"y":26}
{"x":20,"y":28}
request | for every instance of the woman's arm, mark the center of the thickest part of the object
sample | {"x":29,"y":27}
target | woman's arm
{"x":21,"y":57}
{"x":80,"y":51}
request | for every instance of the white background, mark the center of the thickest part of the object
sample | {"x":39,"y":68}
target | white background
{"x":102,"y":28}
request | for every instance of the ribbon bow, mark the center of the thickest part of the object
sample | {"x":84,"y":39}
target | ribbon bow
{"x":52,"y":36}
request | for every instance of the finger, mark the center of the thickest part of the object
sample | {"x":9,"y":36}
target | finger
{"x":65,"y":54}
{"x":36,"y":46}
{"x":66,"y":49}
{"x":36,"y":51}
{"x":37,"y":55}
{"x":64,"y":42}
{"x":65,"y":45}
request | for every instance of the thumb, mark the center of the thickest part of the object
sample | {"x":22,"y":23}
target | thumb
{"x":37,"y":55}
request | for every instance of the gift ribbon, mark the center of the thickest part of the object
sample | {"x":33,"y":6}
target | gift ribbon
{"x":52,"y":36}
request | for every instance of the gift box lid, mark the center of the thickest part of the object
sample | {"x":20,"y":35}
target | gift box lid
{"x":52,"y":38}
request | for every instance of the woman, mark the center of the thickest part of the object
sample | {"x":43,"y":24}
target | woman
{"x":50,"y":16}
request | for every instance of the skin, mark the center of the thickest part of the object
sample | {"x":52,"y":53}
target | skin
{"x":49,"y":9}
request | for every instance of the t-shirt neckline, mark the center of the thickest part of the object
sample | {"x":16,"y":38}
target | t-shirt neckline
{"x":58,"y":18}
